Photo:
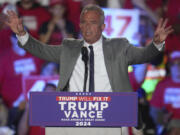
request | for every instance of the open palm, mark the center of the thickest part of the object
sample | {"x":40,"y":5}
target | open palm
{"x":15,"y":23}
{"x":162,"y":31}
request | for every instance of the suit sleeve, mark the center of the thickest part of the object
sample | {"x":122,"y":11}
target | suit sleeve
{"x":139,"y":55}
{"x":43,"y":51}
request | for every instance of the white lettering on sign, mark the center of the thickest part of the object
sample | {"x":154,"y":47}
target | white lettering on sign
{"x":87,"y":105}
{"x":30,"y":22}
{"x":24,"y":66}
{"x":83,"y":109}
{"x":172,"y":96}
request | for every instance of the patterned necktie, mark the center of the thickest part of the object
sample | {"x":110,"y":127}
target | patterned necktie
{"x":91,"y":69}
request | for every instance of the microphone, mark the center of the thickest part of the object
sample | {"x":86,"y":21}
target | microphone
{"x":85,"y":58}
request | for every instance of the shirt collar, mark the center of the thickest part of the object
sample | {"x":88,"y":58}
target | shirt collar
{"x":95,"y":45}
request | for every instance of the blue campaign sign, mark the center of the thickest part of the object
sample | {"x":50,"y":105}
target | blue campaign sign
{"x":83,"y":109}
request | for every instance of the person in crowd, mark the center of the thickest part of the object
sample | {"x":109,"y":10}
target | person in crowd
{"x":49,"y":87}
{"x":71,"y":6}
{"x":33,"y":15}
{"x":165,"y":107}
{"x":156,"y":71}
{"x":23,"y":126}
{"x":50,"y":69}
{"x":144,"y":107}
{"x":20,"y":63}
{"x":111,"y":61}
{"x":137,"y":75}
{"x":58,"y":28}
{"x":172,"y":12}
{"x":19,"y":121}
{"x":3,"y":113}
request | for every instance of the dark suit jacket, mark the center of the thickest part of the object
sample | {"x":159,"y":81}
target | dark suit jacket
{"x":118,"y":55}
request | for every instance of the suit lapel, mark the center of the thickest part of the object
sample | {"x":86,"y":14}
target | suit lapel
{"x":107,"y":50}
{"x":75,"y":52}
{"x":68,"y":63}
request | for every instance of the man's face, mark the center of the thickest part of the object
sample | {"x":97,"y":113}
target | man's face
{"x":91,"y":27}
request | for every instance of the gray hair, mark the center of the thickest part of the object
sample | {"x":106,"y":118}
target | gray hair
{"x":96,"y":8}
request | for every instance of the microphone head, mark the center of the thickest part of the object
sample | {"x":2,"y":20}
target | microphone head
{"x":84,"y":53}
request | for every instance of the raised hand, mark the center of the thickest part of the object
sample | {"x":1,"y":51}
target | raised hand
{"x":15,"y":23}
{"x":162,"y":31}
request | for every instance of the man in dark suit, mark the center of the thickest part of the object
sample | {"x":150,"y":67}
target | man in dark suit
{"x":111,"y":56}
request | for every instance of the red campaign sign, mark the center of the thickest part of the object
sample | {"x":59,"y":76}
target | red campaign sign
{"x":37,"y":83}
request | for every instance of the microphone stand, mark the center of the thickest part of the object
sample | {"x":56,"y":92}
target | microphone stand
{"x":85,"y":58}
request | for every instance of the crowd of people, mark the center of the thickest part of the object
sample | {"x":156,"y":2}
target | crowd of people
{"x":157,"y":83}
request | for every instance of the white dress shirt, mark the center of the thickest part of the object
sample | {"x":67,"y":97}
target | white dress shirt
{"x":101,"y":79}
